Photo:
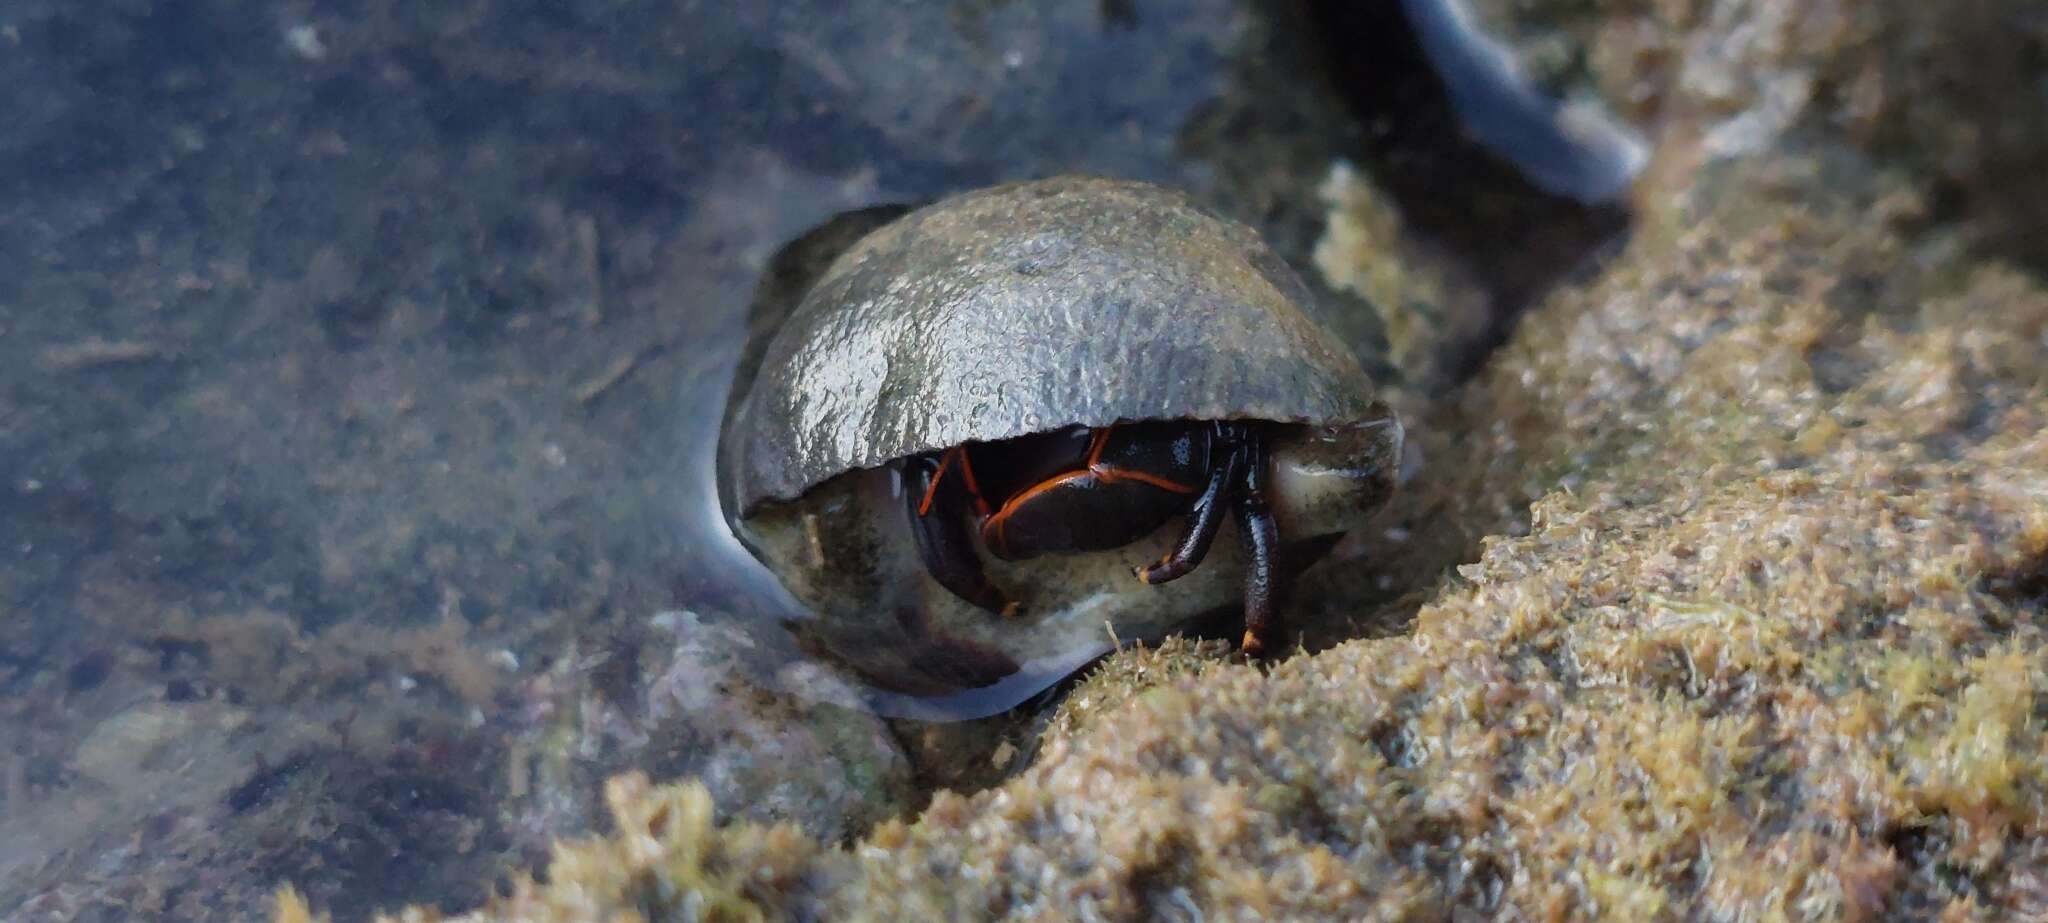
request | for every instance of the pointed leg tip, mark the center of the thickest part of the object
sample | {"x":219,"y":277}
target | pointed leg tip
{"x":1252,"y":645}
{"x":1010,"y":610}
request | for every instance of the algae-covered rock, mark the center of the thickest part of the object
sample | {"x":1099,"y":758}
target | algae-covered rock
{"x":1953,"y":90}
{"x":1771,"y":645}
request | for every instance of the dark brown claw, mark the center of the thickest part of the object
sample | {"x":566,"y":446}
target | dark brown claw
{"x":1205,"y":515}
{"x":938,"y":521}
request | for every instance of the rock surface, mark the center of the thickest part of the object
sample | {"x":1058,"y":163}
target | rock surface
{"x":1772,"y":644}
{"x":1951,"y":90}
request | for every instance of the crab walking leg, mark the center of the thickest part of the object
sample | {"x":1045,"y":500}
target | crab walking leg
{"x":938,"y":522}
{"x":1261,"y":537}
{"x":1205,"y":515}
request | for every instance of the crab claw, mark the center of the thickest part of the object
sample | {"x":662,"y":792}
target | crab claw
{"x":1328,"y":480}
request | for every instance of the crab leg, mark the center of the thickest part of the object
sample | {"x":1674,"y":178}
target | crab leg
{"x":1261,"y":537}
{"x":938,"y":522}
{"x":1205,"y":515}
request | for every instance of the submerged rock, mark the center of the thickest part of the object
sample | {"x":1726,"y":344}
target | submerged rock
{"x":680,"y":695}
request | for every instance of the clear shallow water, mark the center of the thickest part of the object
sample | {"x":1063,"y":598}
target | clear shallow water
{"x":361,"y":364}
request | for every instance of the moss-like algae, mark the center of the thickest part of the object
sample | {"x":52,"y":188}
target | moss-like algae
{"x":665,"y":860}
{"x":1752,"y":655}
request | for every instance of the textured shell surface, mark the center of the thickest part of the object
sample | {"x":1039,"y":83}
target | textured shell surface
{"x":1028,"y":307}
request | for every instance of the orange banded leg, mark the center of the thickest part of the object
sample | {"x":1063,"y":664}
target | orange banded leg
{"x":945,"y":465}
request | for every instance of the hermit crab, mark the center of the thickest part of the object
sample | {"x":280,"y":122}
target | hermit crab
{"x":997,"y":424}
